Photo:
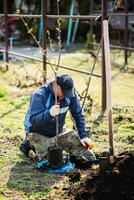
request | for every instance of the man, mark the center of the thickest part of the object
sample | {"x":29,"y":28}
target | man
{"x":40,"y":121}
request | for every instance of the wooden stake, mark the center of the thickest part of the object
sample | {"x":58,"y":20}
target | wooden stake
{"x":108,"y":87}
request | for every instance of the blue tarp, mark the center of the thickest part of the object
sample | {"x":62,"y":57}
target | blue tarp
{"x":63,"y":169}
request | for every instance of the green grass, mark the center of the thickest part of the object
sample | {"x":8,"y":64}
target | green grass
{"x":19,"y":179}
{"x":3,"y":92}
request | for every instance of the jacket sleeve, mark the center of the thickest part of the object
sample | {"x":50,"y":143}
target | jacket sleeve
{"x":76,"y":112}
{"x":39,"y":115}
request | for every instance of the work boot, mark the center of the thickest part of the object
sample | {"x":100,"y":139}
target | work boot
{"x":25,"y":147}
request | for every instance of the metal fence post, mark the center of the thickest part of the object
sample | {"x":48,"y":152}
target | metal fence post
{"x":91,"y":26}
{"x":126,"y":31}
{"x":6,"y":33}
{"x":44,"y":36}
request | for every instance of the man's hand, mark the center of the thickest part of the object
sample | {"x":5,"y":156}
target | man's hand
{"x":86,"y":142}
{"x":55,"y":110}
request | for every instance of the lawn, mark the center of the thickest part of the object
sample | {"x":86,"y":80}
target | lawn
{"x":19,"y":178}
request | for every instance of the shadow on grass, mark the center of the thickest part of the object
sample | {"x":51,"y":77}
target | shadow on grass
{"x":26,"y":178}
{"x":98,"y":120}
{"x":12,"y":110}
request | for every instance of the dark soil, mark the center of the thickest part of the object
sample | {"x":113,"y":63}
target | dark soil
{"x":117,"y":183}
{"x":74,"y":175}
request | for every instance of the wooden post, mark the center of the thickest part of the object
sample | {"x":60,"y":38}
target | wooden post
{"x":108,"y":88}
{"x":6,"y":33}
{"x":104,"y":17}
{"x":44,"y":36}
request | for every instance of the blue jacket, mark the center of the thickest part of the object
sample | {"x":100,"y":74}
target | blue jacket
{"x":38,"y":118}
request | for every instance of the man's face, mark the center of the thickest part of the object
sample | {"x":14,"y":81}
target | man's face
{"x":57,"y":90}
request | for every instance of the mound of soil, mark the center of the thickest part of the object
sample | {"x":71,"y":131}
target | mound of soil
{"x":117,"y":183}
{"x":74,"y":175}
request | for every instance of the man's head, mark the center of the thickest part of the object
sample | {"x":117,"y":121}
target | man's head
{"x":64,"y":86}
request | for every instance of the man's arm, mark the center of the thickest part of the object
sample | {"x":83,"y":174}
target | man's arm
{"x":77,"y":115}
{"x":76,"y":112}
{"x":39,"y":115}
